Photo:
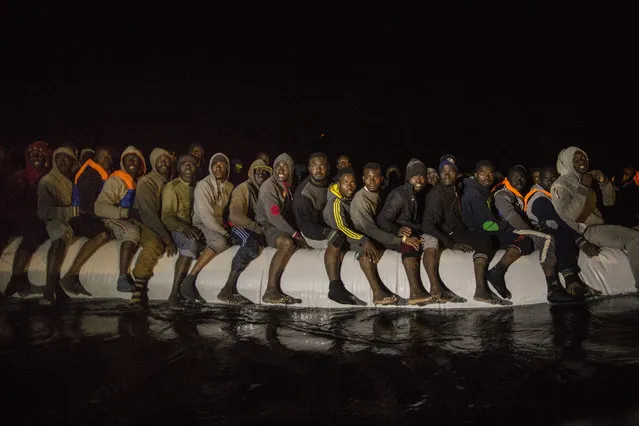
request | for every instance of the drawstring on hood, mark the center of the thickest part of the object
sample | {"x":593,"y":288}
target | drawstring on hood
{"x":565,"y":161}
{"x":133,"y":150}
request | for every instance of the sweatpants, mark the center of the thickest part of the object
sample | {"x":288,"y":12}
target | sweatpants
{"x":619,"y":237}
{"x":249,"y":243}
{"x":546,"y":245}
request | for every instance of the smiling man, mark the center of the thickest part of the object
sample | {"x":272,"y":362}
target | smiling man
{"x":115,"y":206}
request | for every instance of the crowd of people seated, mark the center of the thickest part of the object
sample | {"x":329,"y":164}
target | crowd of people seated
{"x":186,"y":207}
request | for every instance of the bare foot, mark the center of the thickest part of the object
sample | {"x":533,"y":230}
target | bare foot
{"x":490,"y":297}
{"x":279,"y":297}
{"x":234,"y":299}
{"x":422,"y":299}
{"x":385,"y":300}
{"x":72,"y":284}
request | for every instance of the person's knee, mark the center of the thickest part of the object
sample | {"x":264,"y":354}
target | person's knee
{"x":285,"y":244}
{"x":102,"y":237}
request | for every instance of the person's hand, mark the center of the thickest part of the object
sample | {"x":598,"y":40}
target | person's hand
{"x":590,"y":249}
{"x":598,"y":176}
{"x":462,"y":247}
{"x":586,"y":179}
{"x":171,"y":249}
{"x":405,"y":231}
{"x":413,"y":242}
{"x":193,"y":233}
{"x":369,"y":252}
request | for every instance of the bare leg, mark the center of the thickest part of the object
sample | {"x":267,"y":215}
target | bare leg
{"x":437,"y":287}
{"x":418,"y":294}
{"x":182,"y":265}
{"x":482,"y":291}
{"x":52,"y":290}
{"x":71,"y":280}
{"x":285,"y":249}
{"x":337,"y":292}
{"x":188,"y":288}
{"x":127,"y":252}
{"x":19,"y":279}
{"x":381,"y":294}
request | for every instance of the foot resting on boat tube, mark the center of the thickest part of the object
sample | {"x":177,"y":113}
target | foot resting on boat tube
{"x":72,"y":284}
{"x":497,"y":280}
{"x":337,"y":293}
{"x":280,"y":297}
{"x":233,"y":298}
{"x":189,"y":291}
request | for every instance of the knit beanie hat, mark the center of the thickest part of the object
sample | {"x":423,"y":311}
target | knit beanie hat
{"x":415,"y":168}
{"x":448,"y":159}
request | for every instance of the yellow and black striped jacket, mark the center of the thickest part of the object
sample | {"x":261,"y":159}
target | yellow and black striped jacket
{"x":337,"y":215}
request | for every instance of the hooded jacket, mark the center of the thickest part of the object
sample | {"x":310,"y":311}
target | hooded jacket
{"x":337,"y":215}
{"x":510,"y":205}
{"x":244,"y":200}
{"x":87,"y":184}
{"x":308,"y":207}
{"x":364,"y":209}
{"x":442,"y":215}
{"x":403,"y":207}
{"x":148,"y":197}
{"x":21,"y":189}
{"x":210,"y":199}
{"x":574,"y":202}
{"x":118,"y":192}
{"x":54,"y":192}
{"x":274,"y":201}
{"x":477,"y":209}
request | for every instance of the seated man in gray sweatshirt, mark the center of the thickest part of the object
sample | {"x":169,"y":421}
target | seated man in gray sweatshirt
{"x":365,"y":208}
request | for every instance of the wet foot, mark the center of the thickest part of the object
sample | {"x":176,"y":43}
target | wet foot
{"x":422,"y":299}
{"x":385,"y":299}
{"x":447,"y":296}
{"x":499,"y":283}
{"x":281,"y":298}
{"x":337,"y":293}
{"x":72,"y":284}
{"x":234,"y":299}
{"x":176,"y":303}
{"x":189,"y":292}
{"x":491,"y":298}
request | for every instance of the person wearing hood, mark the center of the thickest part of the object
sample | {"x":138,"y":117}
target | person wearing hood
{"x":337,"y":214}
{"x":401,"y":217}
{"x":115,"y":205}
{"x":211,"y":198}
{"x":245,"y":230}
{"x":479,"y":215}
{"x":87,"y":185}
{"x":575,"y":201}
{"x":86,"y":154}
{"x":177,"y":213}
{"x":509,"y":202}
{"x":22,"y":216}
{"x":55,"y":208}
{"x":544,"y":218}
{"x":274,"y":214}
{"x":443,"y":226}
{"x":154,"y":237}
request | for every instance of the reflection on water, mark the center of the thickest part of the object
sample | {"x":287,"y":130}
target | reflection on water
{"x":97,"y":363}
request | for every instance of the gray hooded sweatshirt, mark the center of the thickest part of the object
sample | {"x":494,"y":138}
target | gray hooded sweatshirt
{"x":54,"y":192}
{"x":576,"y":203}
{"x":210,"y":199}
{"x":275,"y":199}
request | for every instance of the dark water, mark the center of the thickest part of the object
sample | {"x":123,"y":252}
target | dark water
{"x":97,"y":363}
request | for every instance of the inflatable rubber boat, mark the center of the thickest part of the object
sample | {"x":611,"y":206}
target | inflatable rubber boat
{"x":305,"y":276}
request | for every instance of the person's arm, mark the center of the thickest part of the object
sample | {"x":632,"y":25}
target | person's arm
{"x":307,"y":219}
{"x":148,"y":204}
{"x":508,"y":212}
{"x":170,"y":205}
{"x":273,"y":206}
{"x":386,"y":220}
{"x":106,"y":205}
{"x":342,"y":221}
{"x":569,"y":205}
{"x":608,"y":193}
{"x":362,"y":217}
{"x":238,"y":208}
{"x":432,"y":219}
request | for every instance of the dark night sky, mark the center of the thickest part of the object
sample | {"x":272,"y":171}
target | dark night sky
{"x":512,"y":85}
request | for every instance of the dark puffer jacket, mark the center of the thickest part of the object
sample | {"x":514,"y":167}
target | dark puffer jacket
{"x":403,"y":207}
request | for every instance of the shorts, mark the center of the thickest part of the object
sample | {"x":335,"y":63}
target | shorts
{"x":338,"y":239}
{"x":87,"y":226}
{"x":59,"y":230}
{"x":123,"y":230}
{"x":186,"y":247}
{"x":214,"y":240}
{"x":316,"y":244}
{"x":429,"y":242}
